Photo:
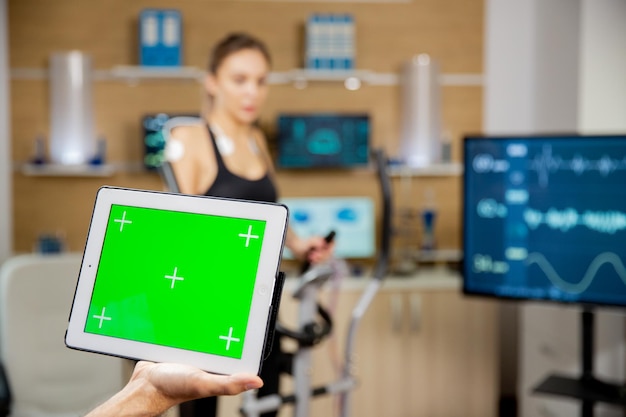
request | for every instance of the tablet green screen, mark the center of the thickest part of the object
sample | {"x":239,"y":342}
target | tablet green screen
{"x":176,"y":279}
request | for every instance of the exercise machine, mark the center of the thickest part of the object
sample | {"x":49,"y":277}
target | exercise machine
{"x":315,"y":323}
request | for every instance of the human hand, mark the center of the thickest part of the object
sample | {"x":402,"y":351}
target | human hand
{"x":318,"y":249}
{"x":155,"y":387}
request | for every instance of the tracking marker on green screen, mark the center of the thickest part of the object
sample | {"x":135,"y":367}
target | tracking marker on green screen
{"x":168,"y":288}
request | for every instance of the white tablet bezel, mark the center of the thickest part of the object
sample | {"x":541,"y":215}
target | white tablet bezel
{"x":275,"y":216}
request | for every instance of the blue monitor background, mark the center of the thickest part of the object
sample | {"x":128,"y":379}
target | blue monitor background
{"x":153,"y":139}
{"x":352,"y":218}
{"x":323,"y":140}
{"x":545,"y":218}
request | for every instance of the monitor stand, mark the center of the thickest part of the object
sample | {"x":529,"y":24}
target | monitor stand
{"x":587,"y":387}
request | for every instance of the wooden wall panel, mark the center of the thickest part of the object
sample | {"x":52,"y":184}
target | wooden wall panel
{"x":29,"y":116}
{"x":63,"y":205}
{"x":387,"y":36}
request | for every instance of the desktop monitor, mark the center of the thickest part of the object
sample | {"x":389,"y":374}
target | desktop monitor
{"x":323,"y":140}
{"x":153,"y":138}
{"x":545,"y":218}
{"x":351,"y":218}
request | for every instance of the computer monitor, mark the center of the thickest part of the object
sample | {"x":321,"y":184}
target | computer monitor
{"x":153,"y":138}
{"x":545,"y":218}
{"x":352,"y":219}
{"x":323,"y":140}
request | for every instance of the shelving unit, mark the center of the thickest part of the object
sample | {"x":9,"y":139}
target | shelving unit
{"x":448,"y":169}
{"x":439,"y":255}
{"x":300,"y":77}
{"x":58,"y":170}
{"x":107,"y":170}
{"x":136,"y":73}
{"x":297,"y":77}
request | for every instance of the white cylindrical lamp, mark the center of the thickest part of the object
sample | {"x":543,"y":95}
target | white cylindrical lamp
{"x":421,"y":112}
{"x":72,"y":138}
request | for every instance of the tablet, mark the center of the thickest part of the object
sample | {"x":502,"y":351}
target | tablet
{"x":178,"y":278}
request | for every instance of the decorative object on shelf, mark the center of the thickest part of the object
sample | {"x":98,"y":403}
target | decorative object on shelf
{"x":421,"y":112}
{"x":72,"y":139}
{"x":160,"y":38}
{"x":50,"y":243}
{"x":446,"y":147}
{"x":429,"y":216}
{"x":99,"y":157}
{"x":330,"y":42}
{"x":153,"y":139}
{"x":39,"y":157}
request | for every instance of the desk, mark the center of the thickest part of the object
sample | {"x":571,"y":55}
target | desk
{"x":423,"y":349}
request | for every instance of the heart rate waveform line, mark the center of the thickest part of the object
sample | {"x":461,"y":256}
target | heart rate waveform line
{"x":545,"y":164}
{"x":609,"y":222}
{"x":592,"y":271}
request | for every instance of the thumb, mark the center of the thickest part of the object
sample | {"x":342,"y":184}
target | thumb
{"x":229,"y":385}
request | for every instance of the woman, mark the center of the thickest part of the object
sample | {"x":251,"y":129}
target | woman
{"x":227,"y":155}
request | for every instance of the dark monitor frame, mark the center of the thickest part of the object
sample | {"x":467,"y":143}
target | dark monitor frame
{"x":328,"y":163}
{"x":585,"y":387}
{"x":152,"y":150}
{"x":464,"y":213}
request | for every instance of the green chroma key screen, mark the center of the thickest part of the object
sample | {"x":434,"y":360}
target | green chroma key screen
{"x":176,"y":279}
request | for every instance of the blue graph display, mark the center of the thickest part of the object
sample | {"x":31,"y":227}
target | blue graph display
{"x":323,"y":140}
{"x":545,"y":218}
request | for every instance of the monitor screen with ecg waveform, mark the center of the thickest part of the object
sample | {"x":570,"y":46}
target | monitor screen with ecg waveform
{"x":545,"y":218}
{"x":323,"y":140}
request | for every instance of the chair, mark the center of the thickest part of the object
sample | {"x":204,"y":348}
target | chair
{"x":44,"y":377}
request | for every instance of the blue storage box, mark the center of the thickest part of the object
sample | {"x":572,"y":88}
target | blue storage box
{"x":160,"y":38}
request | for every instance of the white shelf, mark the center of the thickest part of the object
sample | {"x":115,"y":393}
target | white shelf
{"x":434,"y":170}
{"x":137,"y":73}
{"x":297,"y":77}
{"x":58,"y":170}
{"x":367,"y":77}
{"x":440,"y":255}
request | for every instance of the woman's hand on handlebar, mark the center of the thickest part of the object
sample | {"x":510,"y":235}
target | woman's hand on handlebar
{"x":311,"y":250}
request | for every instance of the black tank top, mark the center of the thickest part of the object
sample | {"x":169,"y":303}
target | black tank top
{"x":229,"y":185}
